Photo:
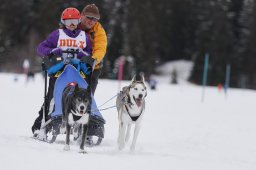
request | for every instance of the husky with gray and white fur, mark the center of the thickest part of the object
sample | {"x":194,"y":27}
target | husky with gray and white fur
{"x":130,"y":105}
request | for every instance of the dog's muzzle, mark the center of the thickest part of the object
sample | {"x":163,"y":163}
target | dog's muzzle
{"x":81,"y":110}
{"x":138,"y":100}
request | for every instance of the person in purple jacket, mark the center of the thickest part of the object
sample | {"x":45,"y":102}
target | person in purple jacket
{"x":68,"y":37}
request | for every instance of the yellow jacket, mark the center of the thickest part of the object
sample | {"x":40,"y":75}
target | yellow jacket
{"x":99,"y":43}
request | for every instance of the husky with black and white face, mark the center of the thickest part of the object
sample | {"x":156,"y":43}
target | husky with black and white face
{"x":76,"y":103}
{"x":130,"y":105}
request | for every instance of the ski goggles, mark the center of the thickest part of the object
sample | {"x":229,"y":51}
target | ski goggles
{"x":92,"y":18}
{"x":69,"y":22}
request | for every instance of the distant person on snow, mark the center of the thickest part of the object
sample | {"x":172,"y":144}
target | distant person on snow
{"x":152,"y":83}
{"x":90,"y":24}
{"x":69,"y":36}
{"x":26,"y":66}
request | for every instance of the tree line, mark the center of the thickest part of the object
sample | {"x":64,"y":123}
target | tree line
{"x":147,"y":32}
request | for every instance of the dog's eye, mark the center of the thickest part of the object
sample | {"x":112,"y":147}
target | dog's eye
{"x":79,"y":99}
{"x":136,"y":88}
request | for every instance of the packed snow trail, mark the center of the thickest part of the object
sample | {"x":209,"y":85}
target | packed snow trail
{"x":178,"y":130}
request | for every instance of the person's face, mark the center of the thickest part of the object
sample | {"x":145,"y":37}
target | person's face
{"x":71,"y":27}
{"x":88,"y":22}
{"x":71,"y":24}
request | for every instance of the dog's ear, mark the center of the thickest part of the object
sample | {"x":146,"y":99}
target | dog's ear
{"x":139,"y":77}
{"x":133,"y":79}
{"x":142,"y":79}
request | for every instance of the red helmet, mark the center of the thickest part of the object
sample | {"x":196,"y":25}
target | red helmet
{"x":70,"y":13}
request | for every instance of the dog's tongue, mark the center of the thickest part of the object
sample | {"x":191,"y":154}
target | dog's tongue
{"x":81,"y":112}
{"x":138,"y":102}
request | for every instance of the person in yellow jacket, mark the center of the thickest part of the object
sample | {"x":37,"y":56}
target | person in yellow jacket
{"x":90,"y":24}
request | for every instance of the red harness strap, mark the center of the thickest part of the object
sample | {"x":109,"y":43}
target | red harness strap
{"x":72,"y":84}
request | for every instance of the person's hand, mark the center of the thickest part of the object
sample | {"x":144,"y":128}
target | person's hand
{"x":56,"y":52}
{"x":88,"y":60}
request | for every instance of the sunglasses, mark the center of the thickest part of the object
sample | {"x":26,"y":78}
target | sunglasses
{"x":69,"y":22}
{"x":92,"y":18}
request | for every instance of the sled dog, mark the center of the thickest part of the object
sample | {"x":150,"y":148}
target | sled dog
{"x":130,"y":104}
{"x":76,"y":102}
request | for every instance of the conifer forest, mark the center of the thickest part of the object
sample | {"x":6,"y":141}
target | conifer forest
{"x":147,"y":32}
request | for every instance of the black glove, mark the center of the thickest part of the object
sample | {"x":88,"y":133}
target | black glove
{"x":88,"y":60}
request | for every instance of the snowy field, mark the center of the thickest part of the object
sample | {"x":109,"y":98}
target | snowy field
{"x":179,"y":132}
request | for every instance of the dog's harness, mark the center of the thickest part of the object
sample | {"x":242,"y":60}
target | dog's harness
{"x":75,"y":117}
{"x":126,"y":101}
{"x":134,"y":118}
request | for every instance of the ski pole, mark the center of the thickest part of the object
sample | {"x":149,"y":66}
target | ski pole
{"x":45,"y":90}
{"x":42,"y":133}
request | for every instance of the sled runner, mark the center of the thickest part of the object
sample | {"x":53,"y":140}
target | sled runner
{"x":69,"y":70}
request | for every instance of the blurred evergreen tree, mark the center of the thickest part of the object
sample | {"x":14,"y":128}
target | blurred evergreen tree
{"x":151,"y":32}
{"x":213,"y":36}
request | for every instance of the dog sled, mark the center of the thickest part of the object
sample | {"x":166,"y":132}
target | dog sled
{"x":71,"y":71}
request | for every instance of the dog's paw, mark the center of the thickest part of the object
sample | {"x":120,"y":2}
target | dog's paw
{"x":66,"y":147}
{"x":82,"y":151}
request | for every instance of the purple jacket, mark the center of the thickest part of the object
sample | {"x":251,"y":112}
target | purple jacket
{"x":45,"y":47}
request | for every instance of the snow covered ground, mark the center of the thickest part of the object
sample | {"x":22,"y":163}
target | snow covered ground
{"x":179,"y":132}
